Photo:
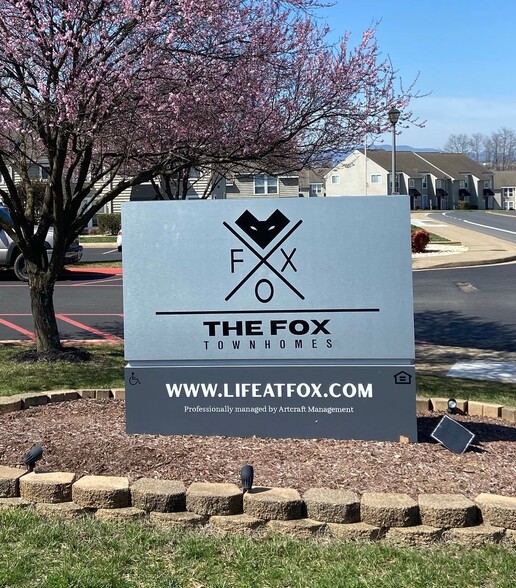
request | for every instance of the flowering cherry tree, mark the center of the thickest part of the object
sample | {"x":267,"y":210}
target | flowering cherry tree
{"x":102,"y":95}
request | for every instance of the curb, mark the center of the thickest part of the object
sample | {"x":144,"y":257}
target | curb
{"x":93,"y":270}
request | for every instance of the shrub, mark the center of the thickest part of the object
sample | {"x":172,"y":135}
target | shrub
{"x":464,"y":205}
{"x":109,"y":224}
{"x":420,"y":239}
{"x":94,"y":231}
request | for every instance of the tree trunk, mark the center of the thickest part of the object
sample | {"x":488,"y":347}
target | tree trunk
{"x":41,"y":285}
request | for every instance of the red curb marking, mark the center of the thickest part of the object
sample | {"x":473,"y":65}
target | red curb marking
{"x":90,"y":329}
{"x":94,"y":270}
{"x":21,"y":330}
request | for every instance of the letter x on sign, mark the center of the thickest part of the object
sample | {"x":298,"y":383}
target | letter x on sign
{"x":263,"y":233}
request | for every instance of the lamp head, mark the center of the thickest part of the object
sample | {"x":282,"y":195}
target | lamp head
{"x":452,"y":405}
{"x":32,"y":456}
{"x":394,"y":115}
{"x":246,"y":477}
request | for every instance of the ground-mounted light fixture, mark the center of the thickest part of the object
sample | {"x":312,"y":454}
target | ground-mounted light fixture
{"x":452,"y":406}
{"x":32,"y":456}
{"x":246,"y":477}
{"x":394,"y":117}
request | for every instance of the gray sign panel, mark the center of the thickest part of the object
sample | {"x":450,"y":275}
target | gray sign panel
{"x":262,"y":280}
{"x":311,"y":401}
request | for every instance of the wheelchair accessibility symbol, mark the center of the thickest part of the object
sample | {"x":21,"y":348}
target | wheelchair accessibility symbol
{"x":133,"y":380}
{"x":263,"y":233}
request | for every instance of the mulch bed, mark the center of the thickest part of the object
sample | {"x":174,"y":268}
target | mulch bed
{"x":88,"y":437}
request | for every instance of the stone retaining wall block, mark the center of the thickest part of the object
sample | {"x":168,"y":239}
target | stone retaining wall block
{"x":10,"y":404}
{"x":6,"y":503}
{"x":101,"y":492}
{"x":102,"y":394}
{"x":418,"y":536}
{"x":183,"y":520}
{"x":499,"y":511}
{"x":204,"y":498}
{"x":508,"y":414}
{"x":120,"y":514}
{"x":65,"y":510}
{"x":447,"y":510}
{"x":474,"y":536}
{"x":241,"y":523}
{"x":492,"y":411}
{"x":10,"y":481}
{"x":34,"y":399}
{"x":118,"y":393}
{"x":332,"y":506}
{"x":389,"y":510}
{"x":297,"y":528}
{"x":47,"y":487}
{"x":475,"y":408}
{"x":62,"y":395}
{"x":150,"y":494}
{"x":274,"y":503}
{"x":354,"y":532}
{"x":422,"y":404}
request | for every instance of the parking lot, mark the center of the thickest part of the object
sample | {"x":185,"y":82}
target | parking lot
{"x":88,"y":307}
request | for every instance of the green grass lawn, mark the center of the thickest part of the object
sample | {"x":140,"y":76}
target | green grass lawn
{"x":434,"y":238}
{"x":47,"y":553}
{"x":97,"y":238}
{"x":106,"y":371}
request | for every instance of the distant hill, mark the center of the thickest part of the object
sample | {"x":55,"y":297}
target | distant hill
{"x":404,"y":148}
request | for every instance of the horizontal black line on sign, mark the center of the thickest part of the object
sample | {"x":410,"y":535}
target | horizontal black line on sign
{"x":186,"y":312}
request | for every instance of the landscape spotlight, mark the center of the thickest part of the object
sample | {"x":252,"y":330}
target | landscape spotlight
{"x":452,"y":406}
{"x":32,"y":456}
{"x":246,"y":476}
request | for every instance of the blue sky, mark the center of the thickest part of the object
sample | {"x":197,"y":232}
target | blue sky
{"x":463,"y":50}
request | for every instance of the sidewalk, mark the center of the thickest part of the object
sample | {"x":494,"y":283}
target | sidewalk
{"x":480,"y":249}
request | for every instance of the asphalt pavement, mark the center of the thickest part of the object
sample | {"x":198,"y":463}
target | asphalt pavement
{"x":468,"y":248}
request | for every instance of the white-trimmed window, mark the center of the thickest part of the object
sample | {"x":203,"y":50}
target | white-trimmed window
{"x":376,"y":179}
{"x":463,"y":183}
{"x":487,"y":184}
{"x":316,"y":189}
{"x":335,"y":179}
{"x":424,"y":183}
{"x":265,"y":184}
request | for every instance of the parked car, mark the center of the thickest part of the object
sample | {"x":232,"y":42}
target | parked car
{"x":119,"y":240}
{"x":12,"y":258}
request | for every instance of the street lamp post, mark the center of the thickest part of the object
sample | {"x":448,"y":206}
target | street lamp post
{"x":394,"y":116}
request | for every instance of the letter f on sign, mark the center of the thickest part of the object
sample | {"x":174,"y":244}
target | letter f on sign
{"x":234,"y":259}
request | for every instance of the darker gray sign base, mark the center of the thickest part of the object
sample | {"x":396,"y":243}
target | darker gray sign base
{"x":309,"y":401}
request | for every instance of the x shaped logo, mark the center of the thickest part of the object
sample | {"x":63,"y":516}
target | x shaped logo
{"x":263,"y":233}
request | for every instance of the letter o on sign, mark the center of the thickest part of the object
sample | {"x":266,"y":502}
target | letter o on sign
{"x":270,"y":288}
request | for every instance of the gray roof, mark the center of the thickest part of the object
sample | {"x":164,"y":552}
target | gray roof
{"x":407,"y":162}
{"x":504,"y":179}
{"x":309,"y":176}
{"x":456,"y":164}
{"x":441,"y":165}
